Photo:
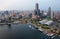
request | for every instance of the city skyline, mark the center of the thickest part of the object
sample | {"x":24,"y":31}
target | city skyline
{"x":28,"y":4}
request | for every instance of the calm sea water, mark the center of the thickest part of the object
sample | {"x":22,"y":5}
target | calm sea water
{"x":21,"y":31}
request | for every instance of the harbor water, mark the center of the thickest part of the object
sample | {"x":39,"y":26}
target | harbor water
{"x":21,"y":31}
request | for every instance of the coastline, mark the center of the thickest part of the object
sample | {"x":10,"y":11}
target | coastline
{"x":52,"y":35}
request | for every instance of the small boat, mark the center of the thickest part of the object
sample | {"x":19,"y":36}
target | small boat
{"x":52,"y":37}
{"x":30,"y":26}
{"x":40,"y":30}
{"x":9,"y":24}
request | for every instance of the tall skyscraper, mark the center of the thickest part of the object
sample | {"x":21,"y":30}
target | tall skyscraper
{"x":37,"y":11}
{"x":6,"y":12}
{"x":49,"y":12}
{"x":52,"y":15}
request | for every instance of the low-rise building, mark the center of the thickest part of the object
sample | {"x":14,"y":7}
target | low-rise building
{"x":43,"y":21}
{"x":46,"y":22}
{"x":49,"y":23}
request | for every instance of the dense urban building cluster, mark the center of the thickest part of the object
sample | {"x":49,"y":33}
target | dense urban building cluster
{"x":47,"y":22}
{"x":36,"y":13}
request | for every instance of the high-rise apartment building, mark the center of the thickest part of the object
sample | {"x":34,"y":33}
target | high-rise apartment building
{"x":49,"y":12}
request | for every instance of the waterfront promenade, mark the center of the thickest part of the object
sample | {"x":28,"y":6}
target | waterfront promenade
{"x":52,"y":35}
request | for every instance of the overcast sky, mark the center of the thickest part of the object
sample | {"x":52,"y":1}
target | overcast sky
{"x":29,"y":4}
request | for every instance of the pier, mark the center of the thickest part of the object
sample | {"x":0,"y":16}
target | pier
{"x":9,"y":24}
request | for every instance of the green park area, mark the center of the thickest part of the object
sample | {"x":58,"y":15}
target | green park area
{"x":36,"y":22}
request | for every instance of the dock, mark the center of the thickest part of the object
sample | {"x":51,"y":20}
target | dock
{"x":4,"y":23}
{"x":9,"y":24}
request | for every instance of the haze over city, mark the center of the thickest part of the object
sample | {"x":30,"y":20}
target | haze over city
{"x":28,"y":4}
{"x":29,"y":19}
